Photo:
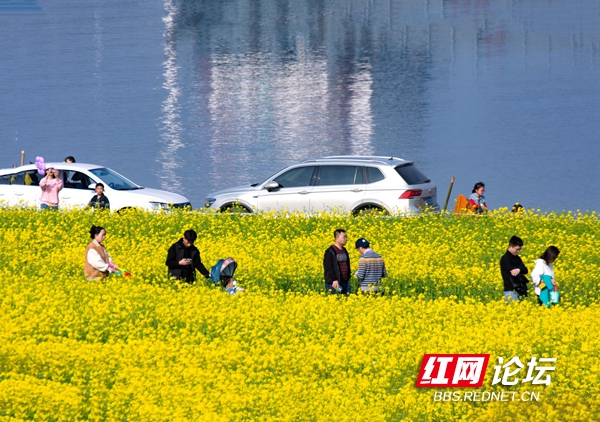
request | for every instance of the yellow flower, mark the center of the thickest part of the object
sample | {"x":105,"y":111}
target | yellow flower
{"x":147,"y":347}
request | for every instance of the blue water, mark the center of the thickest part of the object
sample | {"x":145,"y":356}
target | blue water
{"x":195,"y":96}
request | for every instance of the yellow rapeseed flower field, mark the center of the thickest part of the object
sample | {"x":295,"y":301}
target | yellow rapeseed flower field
{"x":148,"y":349}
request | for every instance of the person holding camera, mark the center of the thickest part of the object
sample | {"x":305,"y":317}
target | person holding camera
{"x":50,"y":185}
{"x":513,"y":271}
{"x":183,"y":259}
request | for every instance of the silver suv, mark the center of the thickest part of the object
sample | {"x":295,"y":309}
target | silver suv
{"x":343,"y":183}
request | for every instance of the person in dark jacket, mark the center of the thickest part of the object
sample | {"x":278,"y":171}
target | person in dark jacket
{"x":512,"y":269}
{"x":336,"y":264}
{"x":99,"y":200}
{"x":183,"y":259}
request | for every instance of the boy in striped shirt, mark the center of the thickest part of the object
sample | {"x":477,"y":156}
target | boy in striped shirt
{"x":371,"y":268}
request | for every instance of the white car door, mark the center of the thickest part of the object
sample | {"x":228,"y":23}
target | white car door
{"x":26,"y":191}
{"x":338,"y":187}
{"x":293,"y":194}
{"x":5,"y":190}
{"x":75,"y":192}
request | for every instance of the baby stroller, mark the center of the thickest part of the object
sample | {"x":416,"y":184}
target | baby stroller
{"x":223,"y":269}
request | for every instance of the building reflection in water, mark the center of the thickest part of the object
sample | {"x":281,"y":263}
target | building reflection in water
{"x":265,"y":110}
{"x":266,"y":83}
{"x":98,"y":75}
{"x":274,"y":91}
{"x":170,"y":111}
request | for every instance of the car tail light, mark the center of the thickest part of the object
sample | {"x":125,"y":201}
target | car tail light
{"x":410,"y":194}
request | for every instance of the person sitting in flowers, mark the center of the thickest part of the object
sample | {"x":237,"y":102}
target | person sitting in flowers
{"x":98,"y":263}
{"x":230,"y":286}
{"x":222,"y":272}
{"x":477,"y":200}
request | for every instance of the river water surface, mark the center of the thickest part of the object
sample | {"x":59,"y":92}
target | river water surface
{"x":195,"y":96}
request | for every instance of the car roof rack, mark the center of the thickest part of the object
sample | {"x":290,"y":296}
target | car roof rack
{"x":389,"y":160}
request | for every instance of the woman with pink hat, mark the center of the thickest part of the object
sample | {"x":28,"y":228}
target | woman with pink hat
{"x":51,"y":185}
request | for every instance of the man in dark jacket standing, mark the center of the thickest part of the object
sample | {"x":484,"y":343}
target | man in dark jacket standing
{"x":183,"y":259}
{"x":512,"y":268}
{"x":336,"y":264}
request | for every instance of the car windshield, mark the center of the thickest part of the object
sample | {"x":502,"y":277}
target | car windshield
{"x":114,"y":180}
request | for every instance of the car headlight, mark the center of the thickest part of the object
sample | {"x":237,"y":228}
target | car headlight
{"x":209,"y":202}
{"x":160,"y":205}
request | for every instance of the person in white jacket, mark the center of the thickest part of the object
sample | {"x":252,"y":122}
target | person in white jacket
{"x":543,"y":266}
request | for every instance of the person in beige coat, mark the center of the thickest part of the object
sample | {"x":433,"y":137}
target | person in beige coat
{"x":98,"y":263}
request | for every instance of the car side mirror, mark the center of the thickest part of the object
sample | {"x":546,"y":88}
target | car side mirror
{"x":92,"y":186}
{"x":272,"y":185}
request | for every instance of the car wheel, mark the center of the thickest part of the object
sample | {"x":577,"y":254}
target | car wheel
{"x":124,"y":210}
{"x":235,"y":209}
{"x":369,"y":210}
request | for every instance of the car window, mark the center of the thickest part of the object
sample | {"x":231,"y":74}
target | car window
{"x":296,"y":177}
{"x":32,"y":178}
{"x":374,"y":175}
{"x":5,"y":180}
{"x":18,"y":178}
{"x":76,"y":180}
{"x":412,"y":175}
{"x":341,"y":175}
{"x":114,"y":180}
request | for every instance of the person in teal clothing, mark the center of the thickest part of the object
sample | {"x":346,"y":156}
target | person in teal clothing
{"x":542,"y":275}
{"x":477,"y":200}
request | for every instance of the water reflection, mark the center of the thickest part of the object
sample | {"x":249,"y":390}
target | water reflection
{"x":278,"y":91}
{"x":285,"y":109}
{"x":361,"y":118}
{"x":171,"y":129}
{"x":499,"y":91}
{"x":270,"y":82}
{"x":98,"y":91}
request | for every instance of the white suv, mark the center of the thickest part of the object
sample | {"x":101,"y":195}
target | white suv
{"x":20,"y":187}
{"x":342,"y":183}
